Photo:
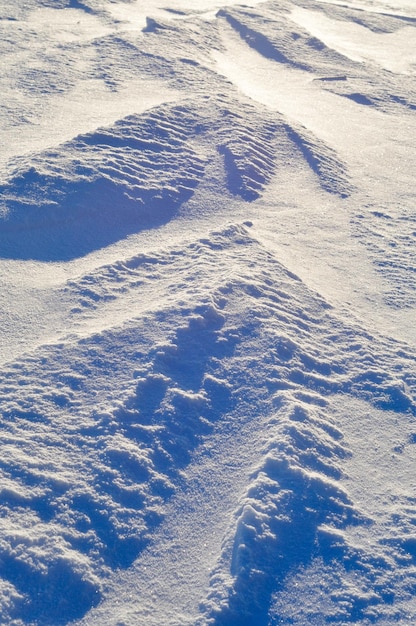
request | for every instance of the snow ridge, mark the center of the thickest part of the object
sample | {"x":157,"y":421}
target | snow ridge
{"x":143,"y":166}
{"x":323,"y":161}
{"x":278,"y":38}
{"x":127,"y":413}
{"x":281,"y":522}
{"x":147,"y":166}
{"x":191,"y":434}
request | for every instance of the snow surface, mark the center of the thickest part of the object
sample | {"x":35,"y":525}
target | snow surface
{"x":208,"y":293}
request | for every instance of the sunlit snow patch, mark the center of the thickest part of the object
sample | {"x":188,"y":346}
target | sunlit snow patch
{"x":393,"y":51}
{"x":134,"y":15}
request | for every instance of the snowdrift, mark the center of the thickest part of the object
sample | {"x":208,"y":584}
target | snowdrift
{"x":207,"y":311}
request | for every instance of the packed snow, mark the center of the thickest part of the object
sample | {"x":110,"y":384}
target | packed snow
{"x":208,"y":294}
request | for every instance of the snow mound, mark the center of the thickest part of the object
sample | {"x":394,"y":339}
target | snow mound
{"x":281,"y":523}
{"x":143,"y":166}
{"x":60,"y":204}
{"x":98,"y":429}
{"x":207,"y":388}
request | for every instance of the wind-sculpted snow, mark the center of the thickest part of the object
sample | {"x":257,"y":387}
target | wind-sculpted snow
{"x":323,"y":161}
{"x":145,"y":166}
{"x":208,"y":388}
{"x":249,"y":158}
{"x":279,"y":35}
{"x":294,"y":514}
{"x":141,"y":166}
{"x":295,"y":510}
{"x":61,"y":204}
{"x":396,"y":261}
{"x":281,"y":524}
{"x":278,"y":38}
{"x":97,"y":430}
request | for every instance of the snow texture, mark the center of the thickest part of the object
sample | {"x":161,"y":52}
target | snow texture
{"x":207,"y":307}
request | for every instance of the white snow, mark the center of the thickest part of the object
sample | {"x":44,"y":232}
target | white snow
{"x":367,"y":139}
{"x":63,"y":118}
{"x":393,"y":51}
{"x":134,"y":15}
{"x":207,"y":306}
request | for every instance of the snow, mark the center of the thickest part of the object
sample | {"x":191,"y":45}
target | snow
{"x":359,"y":43}
{"x":207,"y":313}
{"x":134,"y":15}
